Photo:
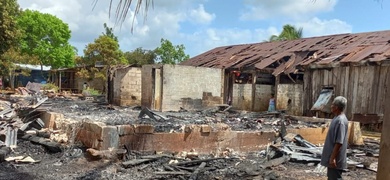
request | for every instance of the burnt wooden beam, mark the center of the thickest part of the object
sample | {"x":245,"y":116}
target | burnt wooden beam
{"x":51,"y":146}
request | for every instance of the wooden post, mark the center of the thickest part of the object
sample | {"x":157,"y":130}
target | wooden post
{"x":384,"y":154}
{"x":277,"y":81}
{"x":254,"y":77}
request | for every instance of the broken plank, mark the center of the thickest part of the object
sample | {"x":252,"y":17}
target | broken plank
{"x":135,"y":162}
{"x":51,"y":146}
{"x":194,"y":162}
{"x":185,"y":168}
{"x":194,"y":175}
{"x":146,"y":111}
{"x":160,"y":116}
{"x":171,"y":173}
{"x":155,"y":156}
{"x":168,"y":168}
{"x":309,"y":119}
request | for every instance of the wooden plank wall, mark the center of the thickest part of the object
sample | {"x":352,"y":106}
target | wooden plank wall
{"x":363,"y":86}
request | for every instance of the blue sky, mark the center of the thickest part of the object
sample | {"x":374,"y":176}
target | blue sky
{"x":202,"y":25}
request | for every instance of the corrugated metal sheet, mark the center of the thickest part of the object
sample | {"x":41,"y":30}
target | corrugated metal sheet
{"x":345,"y":48}
{"x":323,"y":101}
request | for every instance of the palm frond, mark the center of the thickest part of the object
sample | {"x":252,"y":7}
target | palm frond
{"x":123,"y":8}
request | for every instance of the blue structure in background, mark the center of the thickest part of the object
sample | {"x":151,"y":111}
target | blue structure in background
{"x":37,"y":75}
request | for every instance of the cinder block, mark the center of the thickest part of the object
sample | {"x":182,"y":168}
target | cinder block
{"x":205,"y":129}
{"x":95,"y":127}
{"x":50,"y":118}
{"x":88,"y":138}
{"x":110,"y":137}
{"x":125,"y":130}
{"x":143,"y":129}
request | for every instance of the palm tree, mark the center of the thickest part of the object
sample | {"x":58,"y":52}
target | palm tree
{"x":289,"y":32}
{"x":273,"y":38}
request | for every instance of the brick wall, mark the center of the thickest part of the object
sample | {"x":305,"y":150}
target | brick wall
{"x":293,"y":92}
{"x":242,"y":97}
{"x":127,"y":86}
{"x":191,"y":87}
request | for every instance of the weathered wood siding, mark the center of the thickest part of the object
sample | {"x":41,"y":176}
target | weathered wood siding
{"x":363,"y":86}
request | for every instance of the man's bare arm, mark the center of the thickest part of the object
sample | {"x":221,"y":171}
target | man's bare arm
{"x":335,"y":153}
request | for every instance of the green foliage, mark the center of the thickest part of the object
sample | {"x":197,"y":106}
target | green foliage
{"x":289,"y":32}
{"x":109,"y":32}
{"x":91,"y":92}
{"x":140,"y":56}
{"x":103,"y":51}
{"x":9,"y":31}
{"x":46,"y":37}
{"x":167,"y":53}
{"x":50,"y":86}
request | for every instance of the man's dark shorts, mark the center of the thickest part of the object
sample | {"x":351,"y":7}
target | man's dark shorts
{"x":334,"y":174}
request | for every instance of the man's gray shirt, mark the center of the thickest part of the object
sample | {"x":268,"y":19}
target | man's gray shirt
{"x":337,"y":133}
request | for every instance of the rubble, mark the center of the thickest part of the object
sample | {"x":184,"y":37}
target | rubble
{"x":289,"y":157}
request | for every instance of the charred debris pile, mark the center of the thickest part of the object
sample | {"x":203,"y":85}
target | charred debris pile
{"x":20,"y":120}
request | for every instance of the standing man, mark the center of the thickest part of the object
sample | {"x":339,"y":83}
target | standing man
{"x":334,"y":154}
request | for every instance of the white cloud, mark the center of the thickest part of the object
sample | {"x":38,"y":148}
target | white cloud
{"x":265,"y":9}
{"x":200,"y":16}
{"x":210,"y":38}
{"x":318,"y":27}
{"x":168,"y":20}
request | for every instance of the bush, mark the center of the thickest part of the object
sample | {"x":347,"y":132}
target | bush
{"x":91,"y":92}
{"x":50,"y":86}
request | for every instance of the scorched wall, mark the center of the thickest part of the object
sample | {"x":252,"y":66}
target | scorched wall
{"x":243,"y":97}
{"x":294,"y":93}
{"x":127,"y":86}
{"x":191,"y":87}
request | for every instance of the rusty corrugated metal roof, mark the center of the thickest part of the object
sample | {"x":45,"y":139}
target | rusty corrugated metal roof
{"x":284,"y":56}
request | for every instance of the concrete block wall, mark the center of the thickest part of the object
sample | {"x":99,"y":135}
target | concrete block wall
{"x":262,"y":96}
{"x":293,"y":92}
{"x":207,"y":138}
{"x":97,"y":83}
{"x":242,"y":97}
{"x":127,"y":86}
{"x":202,"y":138}
{"x":184,"y":86}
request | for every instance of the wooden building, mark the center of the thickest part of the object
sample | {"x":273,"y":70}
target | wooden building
{"x":350,"y":65}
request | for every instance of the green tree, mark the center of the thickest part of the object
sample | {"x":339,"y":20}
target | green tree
{"x":289,"y":32}
{"x":167,"y":53}
{"x":9,"y":31}
{"x":140,"y":56}
{"x":109,"y":32}
{"x":46,"y":37}
{"x":104,"y":52}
